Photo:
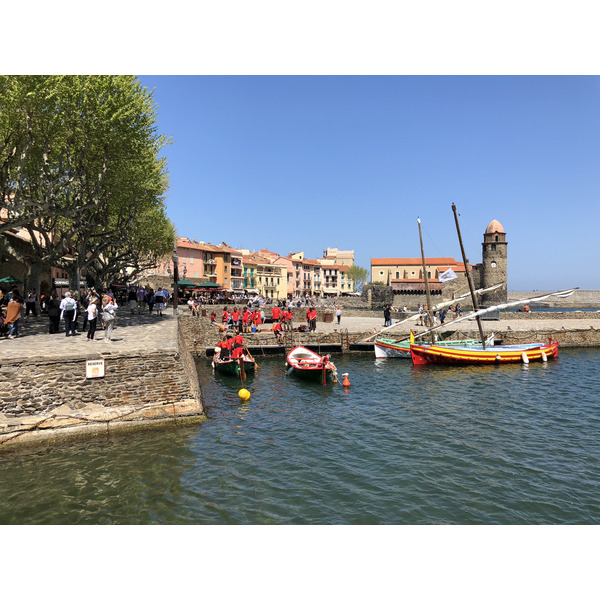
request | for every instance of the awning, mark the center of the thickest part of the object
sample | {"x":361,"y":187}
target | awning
{"x":208,"y":285}
{"x":186,"y":283}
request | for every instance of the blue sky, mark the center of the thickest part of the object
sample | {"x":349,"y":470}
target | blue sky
{"x":295,"y":163}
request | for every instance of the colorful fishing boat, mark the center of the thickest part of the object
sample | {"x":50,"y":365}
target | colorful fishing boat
{"x":392,"y":348}
{"x":422,"y":354}
{"x":238,"y":367}
{"x":310,"y":365}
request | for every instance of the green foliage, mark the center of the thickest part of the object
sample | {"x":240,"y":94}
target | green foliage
{"x":358,"y":275}
{"x":81,"y":164}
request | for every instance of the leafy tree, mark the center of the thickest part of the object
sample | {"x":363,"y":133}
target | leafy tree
{"x":80,"y":169}
{"x":358,"y":275}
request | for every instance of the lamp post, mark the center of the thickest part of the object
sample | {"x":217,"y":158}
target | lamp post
{"x":175,"y":279}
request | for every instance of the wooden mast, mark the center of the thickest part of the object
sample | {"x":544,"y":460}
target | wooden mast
{"x":426,"y":279}
{"x":468,"y":274}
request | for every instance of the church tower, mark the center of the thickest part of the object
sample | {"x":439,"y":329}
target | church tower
{"x":495,"y":264}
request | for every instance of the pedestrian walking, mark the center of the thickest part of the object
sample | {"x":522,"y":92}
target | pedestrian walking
{"x":338,"y":314}
{"x":30,"y":304}
{"x":109,"y":306}
{"x":68,"y":308}
{"x":53,"y":312}
{"x":387,"y":315}
{"x":92,"y":318}
{"x":13,"y":315}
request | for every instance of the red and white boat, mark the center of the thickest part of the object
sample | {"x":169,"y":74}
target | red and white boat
{"x":311,"y":365}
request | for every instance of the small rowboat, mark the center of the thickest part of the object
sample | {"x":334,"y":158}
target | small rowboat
{"x":477,"y":355}
{"x":238,"y":367}
{"x":311,"y":365}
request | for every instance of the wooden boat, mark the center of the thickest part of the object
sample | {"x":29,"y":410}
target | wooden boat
{"x":386,"y":347}
{"x":310,"y":365}
{"x":392,"y":348}
{"x":423,"y":354}
{"x":238,"y":367}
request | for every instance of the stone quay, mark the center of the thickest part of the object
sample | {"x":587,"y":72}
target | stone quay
{"x":49,"y":391}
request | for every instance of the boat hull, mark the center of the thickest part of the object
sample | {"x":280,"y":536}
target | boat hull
{"x":232,"y":366}
{"x":475,"y":355}
{"x":309,"y":365}
{"x":389,"y":348}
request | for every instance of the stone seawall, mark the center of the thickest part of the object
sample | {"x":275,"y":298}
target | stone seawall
{"x":44,"y":400}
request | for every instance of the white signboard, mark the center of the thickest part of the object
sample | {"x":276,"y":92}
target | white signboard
{"x":94,"y":368}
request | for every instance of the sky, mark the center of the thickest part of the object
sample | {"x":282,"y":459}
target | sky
{"x":302,"y":163}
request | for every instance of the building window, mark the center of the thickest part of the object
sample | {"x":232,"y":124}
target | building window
{"x":397,"y":275}
{"x":191,"y":260}
{"x":196,"y":274}
{"x":493,"y":246}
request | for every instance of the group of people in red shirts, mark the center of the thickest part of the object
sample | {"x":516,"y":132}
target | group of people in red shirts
{"x":242,"y":321}
{"x":231,"y":346}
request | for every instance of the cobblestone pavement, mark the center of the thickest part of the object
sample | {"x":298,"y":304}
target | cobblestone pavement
{"x":132,"y":333}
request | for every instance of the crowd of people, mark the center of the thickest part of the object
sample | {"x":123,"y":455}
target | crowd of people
{"x":94,"y":306}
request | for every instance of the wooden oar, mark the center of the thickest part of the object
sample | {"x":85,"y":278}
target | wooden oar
{"x":242,"y":371}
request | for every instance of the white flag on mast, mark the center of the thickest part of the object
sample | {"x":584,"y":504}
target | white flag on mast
{"x":447,"y":275}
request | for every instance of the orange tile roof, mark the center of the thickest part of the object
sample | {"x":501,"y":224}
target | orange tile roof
{"x":412,"y":261}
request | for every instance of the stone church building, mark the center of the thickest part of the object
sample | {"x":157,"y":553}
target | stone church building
{"x":405,"y":276}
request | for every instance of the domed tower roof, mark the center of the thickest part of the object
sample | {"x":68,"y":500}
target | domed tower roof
{"x":495,"y":227}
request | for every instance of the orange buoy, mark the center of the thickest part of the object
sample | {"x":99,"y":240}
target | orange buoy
{"x":346,"y":382}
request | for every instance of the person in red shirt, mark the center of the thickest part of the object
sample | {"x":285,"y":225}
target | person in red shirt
{"x":224,"y":346}
{"x":225,"y":316}
{"x":275,"y":314}
{"x":277,"y":332}
{"x":288,"y":319}
{"x":246,"y":321}
{"x":312,"y":320}
{"x":235,"y":317}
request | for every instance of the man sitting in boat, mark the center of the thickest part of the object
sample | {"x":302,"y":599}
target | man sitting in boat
{"x":225,"y":346}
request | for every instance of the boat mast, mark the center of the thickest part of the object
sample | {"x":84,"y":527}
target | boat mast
{"x":426,"y":279}
{"x":468,"y":274}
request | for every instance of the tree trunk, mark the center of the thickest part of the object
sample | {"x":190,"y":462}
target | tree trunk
{"x":33,"y":281}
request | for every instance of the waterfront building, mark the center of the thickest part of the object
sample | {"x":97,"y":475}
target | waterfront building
{"x":406,"y":277}
{"x":340,"y":257}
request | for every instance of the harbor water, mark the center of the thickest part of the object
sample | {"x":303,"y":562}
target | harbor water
{"x":517,"y":444}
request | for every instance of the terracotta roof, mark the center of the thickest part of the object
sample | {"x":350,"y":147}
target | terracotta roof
{"x":412,"y":261}
{"x":495,"y":227}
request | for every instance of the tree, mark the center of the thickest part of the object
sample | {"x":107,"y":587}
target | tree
{"x":80,"y":166}
{"x":358,"y":275}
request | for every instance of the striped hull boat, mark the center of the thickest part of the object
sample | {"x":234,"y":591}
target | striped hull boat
{"x":476,"y":355}
{"x":390,"y":348}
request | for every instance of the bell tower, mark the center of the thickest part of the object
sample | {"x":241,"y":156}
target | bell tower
{"x":495,"y":264}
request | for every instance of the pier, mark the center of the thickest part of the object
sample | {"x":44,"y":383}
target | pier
{"x":149,"y":376}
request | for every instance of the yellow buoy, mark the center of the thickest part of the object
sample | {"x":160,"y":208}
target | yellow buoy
{"x":244,"y":394}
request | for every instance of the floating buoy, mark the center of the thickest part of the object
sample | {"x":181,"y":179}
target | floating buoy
{"x":244,"y":394}
{"x":346,"y":382}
